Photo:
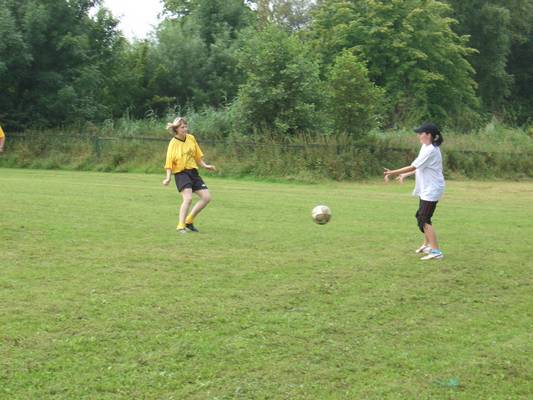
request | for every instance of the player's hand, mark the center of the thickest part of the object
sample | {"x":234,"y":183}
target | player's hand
{"x":210,"y":167}
{"x":400,"y":178}
{"x":386,"y":173}
{"x":166,"y":181}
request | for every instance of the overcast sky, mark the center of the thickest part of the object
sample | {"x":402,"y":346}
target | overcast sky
{"x":137,"y":17}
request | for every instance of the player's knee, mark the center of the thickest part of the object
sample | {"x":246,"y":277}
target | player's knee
{"x":421,"y":222}
{"x":187,"y":198}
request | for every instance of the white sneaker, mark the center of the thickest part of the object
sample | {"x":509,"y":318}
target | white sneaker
{"x":423,"y":249}
{"x":433,"y":255}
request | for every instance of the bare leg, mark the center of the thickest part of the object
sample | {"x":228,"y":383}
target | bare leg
{"x":186,"y":195}
{"x":431,"y":236}
{"x":205,"y":198}
{"x":426,"y":238}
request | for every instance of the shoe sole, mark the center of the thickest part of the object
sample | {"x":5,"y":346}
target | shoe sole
{"x":191,"y":230}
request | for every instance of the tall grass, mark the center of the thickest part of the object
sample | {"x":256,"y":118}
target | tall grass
{"x":127,"y":145}
{"x":494,"y":137}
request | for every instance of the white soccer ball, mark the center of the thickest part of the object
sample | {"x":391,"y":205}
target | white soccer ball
{"x":321,"y":214}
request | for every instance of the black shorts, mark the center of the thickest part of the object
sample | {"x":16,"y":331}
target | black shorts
{"x":424,"y":213}
{"x":189,"y":178}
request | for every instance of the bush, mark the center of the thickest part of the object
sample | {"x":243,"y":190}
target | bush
{"x":279,"y":95}
{"x":353,"y":101}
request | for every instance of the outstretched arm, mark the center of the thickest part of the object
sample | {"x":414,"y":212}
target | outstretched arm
{"x":405,"y":170}
{"x":401,"y":177}
{"x":207,"y":166}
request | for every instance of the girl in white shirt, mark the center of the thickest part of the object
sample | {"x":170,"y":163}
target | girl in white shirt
{"x":429,"y":186}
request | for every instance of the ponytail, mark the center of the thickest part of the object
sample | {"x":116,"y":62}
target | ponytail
{"x":437,"y":139}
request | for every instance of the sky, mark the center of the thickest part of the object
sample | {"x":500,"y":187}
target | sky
{"x":137,"y":17}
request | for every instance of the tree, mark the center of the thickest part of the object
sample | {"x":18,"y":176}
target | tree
{"x":195,"y":55}
{"x":212,"y":16}
{"x":14,"y":56}
{"x":290,"y":14}
{"x":281,"y":90}
{"x":500,"y":31}
{"x":176,"y":64}
{"x":64,"y":64}
{"x":488,"y":26}
{"x":520,"y":104}
{"x":353,"y":102}
{"x":411,"y":52}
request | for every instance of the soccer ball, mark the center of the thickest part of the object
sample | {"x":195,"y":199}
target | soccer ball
{"x":321,"y":214}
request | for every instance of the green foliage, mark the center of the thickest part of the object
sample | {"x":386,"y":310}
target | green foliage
{"x":353,"y":102}
{"x":217,"y":18}
{"x":12,"y":46}
{"x":212,"y":124}
{"x":131,"y":93}
{"x":180,"y":7}
{"x":519,"y":108}
{"x":282,"y":84}
{"x":501,"y":31}
{"x":489,"y":28}
{"x":194,"y":62}
{"x":411,"y":52}
{"x":292,"y":15}
{"x":60,"y":61}
{"x":175,"y":65}
{"x":64,"y":63}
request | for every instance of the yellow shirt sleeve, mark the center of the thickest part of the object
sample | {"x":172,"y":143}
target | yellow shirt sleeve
{"x":169,"y":160}
{"x":1,"y":133}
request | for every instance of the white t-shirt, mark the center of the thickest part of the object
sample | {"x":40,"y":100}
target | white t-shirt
{"x":429,"y":183}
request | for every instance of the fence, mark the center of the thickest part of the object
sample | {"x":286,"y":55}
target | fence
{"x":304,"y":161}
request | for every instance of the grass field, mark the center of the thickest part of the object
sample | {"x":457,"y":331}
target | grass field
{"x":101,"y":299}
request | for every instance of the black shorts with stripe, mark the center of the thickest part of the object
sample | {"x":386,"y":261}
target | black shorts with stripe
{"x":424,"y":213}
{"x":189,"y":178}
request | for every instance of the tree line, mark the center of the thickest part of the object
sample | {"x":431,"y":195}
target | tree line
{"x":280,"y":67}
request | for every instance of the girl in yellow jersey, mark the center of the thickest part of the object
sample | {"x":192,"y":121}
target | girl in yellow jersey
{"x":183,"y":157}
{"x":2,"y":140}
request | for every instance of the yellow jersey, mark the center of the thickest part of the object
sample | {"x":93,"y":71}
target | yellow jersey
{"x":183,"y":154}
{"x":1,"y":133}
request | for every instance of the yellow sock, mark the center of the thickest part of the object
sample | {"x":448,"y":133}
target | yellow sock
{"x":180,"y":226}
{"x":189,"y":219}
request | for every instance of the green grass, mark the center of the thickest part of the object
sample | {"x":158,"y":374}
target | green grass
{"x":101,"y":299}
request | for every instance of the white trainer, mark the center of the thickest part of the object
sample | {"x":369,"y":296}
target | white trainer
{"x":423,"y":249}
{"x":433,"y":255}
